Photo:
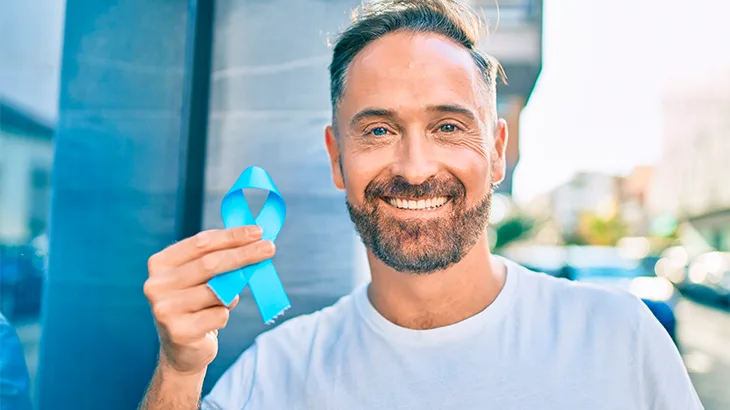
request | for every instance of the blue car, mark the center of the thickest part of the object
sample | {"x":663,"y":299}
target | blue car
{"x":658,"y":294}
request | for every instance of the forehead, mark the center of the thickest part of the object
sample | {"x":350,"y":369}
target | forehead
{"x":406,"y":71}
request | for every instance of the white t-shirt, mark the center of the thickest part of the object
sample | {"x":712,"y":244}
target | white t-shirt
{"x":544,"y":343}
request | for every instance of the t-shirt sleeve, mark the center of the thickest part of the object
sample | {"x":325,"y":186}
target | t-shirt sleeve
{"x":233,"y":390}
{"x":664,"y":379}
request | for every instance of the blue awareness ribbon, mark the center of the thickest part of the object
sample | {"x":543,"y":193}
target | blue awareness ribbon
{"x":266,"y":287}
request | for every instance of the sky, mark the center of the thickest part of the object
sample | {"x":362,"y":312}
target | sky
{"x":606,"y":64}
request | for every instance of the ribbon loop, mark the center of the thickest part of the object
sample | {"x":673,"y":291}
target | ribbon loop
{"x":266,"y":287}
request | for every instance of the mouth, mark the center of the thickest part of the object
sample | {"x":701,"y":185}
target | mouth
{"x":429,"y":204}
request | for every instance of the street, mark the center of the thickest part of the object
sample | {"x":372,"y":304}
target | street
{"x":704,"y":334}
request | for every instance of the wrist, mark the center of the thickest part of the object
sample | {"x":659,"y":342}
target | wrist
{"x":170,"y":373}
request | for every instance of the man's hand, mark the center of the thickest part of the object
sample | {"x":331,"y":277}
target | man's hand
{"x":187,"y":312}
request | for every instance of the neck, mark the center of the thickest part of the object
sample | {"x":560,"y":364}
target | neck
{"x":440,"y":298}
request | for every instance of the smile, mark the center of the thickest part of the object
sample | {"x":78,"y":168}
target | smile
{"x":429,"y":204}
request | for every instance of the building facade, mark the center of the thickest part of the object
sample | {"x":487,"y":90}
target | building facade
{"x":514,"y":38}
{"x":584,"y":193}
{"x":691,"y":179}
{"x":25,"y":170}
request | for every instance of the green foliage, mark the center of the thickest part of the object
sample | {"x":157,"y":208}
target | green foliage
{"x":513,"y":229}
{"x":597,"y":231}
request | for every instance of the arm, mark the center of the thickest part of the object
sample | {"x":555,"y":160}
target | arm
{"x":172,"y":390}
{"x":663,"y":377}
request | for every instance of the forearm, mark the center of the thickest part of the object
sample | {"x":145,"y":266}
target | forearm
{"x":170,"y":390}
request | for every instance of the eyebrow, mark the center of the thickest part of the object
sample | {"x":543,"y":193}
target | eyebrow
{"x":384,"y":113}
{"x":453,"y":109}
{"x":370,"y":113}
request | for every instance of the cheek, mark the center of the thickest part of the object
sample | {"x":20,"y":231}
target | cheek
{"x":471,"y":168}
{"x":360,"y":169}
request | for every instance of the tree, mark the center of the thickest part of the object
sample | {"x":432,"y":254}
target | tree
{"x":599,"y":231}
{"x":512,"y":229}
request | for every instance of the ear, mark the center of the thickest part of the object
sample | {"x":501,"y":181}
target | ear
{"x":333,"y":149}
{"x":499,"y":162}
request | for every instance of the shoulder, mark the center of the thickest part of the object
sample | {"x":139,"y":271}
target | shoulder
{"x":580,"y":302}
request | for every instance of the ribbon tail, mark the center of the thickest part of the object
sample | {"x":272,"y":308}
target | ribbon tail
{"x":228,"y":285}
{"x":267,"y":290}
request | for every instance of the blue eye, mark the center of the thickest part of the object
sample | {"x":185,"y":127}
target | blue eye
{"x":448,"y":128}
{"x":379,"y":131}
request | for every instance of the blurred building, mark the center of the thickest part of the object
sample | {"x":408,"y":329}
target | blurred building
{"x":25,"y":170}
{"x":30,"y":62}
{"x":515,"y":39}
{"x":691,"y":179}
{"x":30,"y":55}
{"x":633,"y":197}
{"x":593,"y":193}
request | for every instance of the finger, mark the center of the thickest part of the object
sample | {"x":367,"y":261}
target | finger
{"x":234,"y":303}
{"x":201,"y":244}
{"x":202,"y":270}
{"x":207,"y":320}
{"x":185,"y":301}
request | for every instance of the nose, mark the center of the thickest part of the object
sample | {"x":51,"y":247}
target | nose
{"x":416,"y":160}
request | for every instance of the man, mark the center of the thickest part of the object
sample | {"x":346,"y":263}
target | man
{"x":417,"y":147}
{"x":14,"y":379}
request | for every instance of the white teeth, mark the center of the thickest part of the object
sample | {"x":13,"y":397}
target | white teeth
{"x":421,"y":204}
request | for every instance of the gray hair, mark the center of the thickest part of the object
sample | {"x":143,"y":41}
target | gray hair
{"x":374,"y":19}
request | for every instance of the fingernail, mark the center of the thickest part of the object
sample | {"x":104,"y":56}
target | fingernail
{"x":257,"y":231}
{"x":268,"y":246}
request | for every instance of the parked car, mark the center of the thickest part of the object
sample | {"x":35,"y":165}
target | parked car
{"x":21,"y":281}
{"x":709,"y":275}
{"x":606,"y":266}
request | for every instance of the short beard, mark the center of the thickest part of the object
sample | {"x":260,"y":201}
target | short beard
{"x":417,"y":246}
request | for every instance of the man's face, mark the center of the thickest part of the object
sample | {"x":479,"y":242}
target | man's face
{"x":417,"y":151}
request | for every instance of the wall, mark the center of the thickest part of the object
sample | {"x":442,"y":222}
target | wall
{"x":691,"y":178}
{"x":114,"y":190}
{"x":269,"y":107}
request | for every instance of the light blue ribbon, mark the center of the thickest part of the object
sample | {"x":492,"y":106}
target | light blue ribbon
{"x":265,"y":284}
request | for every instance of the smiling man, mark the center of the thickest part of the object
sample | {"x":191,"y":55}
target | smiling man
{"x":417,"y":146}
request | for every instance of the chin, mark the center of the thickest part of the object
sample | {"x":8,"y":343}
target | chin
{"x":416,"y":257}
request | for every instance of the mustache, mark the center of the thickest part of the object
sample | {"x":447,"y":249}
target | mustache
{"x":398,"y":186}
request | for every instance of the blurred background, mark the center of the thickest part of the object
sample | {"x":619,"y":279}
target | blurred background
{"x":122,"y":125}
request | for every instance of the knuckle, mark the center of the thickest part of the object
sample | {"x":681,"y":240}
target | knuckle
{"x":210,"y":262}
{"x":150,"y":288}
{"x":178,"y":333}
{"x":231,"y":235}
{"x":202,"y":239}
{"x":162,"y":311}
{"x":236,"y":235}
{"x":241,"y":257}
{"x":154,"y":263}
